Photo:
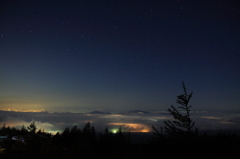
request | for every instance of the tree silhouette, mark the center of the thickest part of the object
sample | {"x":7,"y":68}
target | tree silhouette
{"x":32,"y":127}
{"x":182,"y":123}
{"x":23,"y":130}
{"x":157,"y":133}
{"x":89,"y":133}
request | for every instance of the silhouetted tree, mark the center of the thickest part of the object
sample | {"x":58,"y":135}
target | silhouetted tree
{"x":182,"y":123}
{"x":119,"y":137}
{"x":159,"y":135}
{"x":32,"y":127}
{"x":56,"y":138}
{"x":107,"y":134}
{"x":41,"y":132}
{"x":65,"y":136}
{"x":87,"y":128}
{"x":24,"y":130}
{"x":89,"y":132}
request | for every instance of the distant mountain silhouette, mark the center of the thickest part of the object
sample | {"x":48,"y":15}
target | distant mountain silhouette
{"x":98,"y":112}
{"x":137,"y":112}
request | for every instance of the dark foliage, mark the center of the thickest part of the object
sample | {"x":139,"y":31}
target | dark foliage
{"x":85,"y":143}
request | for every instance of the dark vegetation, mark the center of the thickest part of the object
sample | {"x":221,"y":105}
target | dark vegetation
{"x":180,"y":140}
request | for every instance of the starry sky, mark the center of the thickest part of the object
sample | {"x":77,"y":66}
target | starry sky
{"x":116,"y":56}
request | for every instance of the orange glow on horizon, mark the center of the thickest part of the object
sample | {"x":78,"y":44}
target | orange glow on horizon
{"x":22,"y":110}
{"x":215,"y":118}
{"x":132,"y":127}
{"x":115,"y":115}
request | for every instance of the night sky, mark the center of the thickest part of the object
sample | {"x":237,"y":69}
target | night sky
{"x":116,"y":56}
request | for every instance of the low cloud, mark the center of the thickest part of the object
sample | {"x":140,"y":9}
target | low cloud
{"x":57,"y":122}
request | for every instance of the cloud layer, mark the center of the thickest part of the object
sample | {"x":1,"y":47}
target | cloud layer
{"x":134,"y":121}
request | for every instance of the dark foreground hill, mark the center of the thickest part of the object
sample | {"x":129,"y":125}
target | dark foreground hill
{"x":121,"y":145}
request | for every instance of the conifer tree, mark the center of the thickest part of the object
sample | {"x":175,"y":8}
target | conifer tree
{"x":23,"y":130}
{"x":182,"y":123}
{"x":32,"y":127}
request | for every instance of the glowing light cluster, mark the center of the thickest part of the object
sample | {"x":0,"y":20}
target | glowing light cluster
{"x":22,"y":110}
{"x":132,"y":127}
{"x":114,"y":131}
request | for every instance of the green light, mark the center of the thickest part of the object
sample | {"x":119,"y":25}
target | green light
{"x":114,"y":131}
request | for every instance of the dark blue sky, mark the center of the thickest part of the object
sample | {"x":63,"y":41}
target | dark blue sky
{"x":119,"y":55}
